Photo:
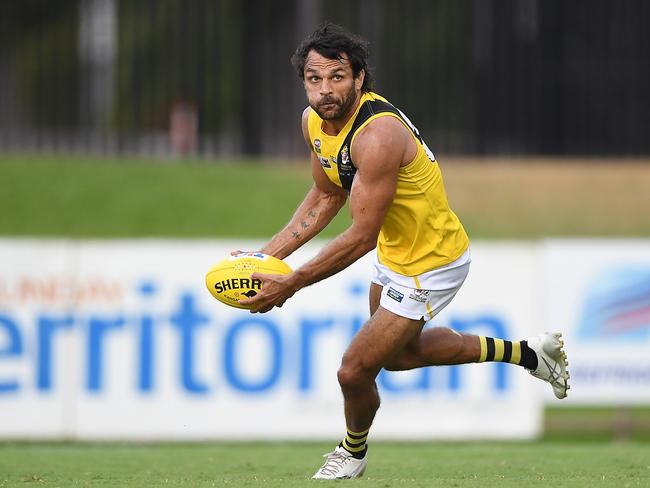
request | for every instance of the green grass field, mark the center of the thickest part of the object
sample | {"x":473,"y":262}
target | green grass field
{"x":59,"y":196}
{"x":582,"y":447}
{"x":108,"y":197}
{"x":567,"y":464}
{"x":62,"y":196}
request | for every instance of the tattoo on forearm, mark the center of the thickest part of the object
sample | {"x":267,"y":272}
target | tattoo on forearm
{"x":304,"y":224}
{"x":296,"y":235}
{"x":312,"y":214}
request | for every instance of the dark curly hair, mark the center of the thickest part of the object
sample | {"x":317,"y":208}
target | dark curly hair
{"x":331,"y":40}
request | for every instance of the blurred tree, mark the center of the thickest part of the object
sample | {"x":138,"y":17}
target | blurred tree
{"x":40,"y":39}
{"x":475,"y":76}
{"x":173,"y":52}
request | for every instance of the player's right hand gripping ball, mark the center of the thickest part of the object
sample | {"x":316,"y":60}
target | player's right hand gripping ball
{"x":230,"y":280}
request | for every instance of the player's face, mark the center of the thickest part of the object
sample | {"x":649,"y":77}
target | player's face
{"x":331,"y":87}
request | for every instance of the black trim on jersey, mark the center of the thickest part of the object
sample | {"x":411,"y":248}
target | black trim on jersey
{"x":344,"y":163}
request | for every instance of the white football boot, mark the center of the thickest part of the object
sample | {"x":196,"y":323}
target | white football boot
{"x":341,"y":465}
{"x":551,"y":361}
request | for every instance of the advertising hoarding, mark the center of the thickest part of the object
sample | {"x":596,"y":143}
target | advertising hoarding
{"x":598,"y":293}
{"x":121,"y":340}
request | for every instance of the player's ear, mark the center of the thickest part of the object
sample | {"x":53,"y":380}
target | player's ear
{"x":358,"y":81}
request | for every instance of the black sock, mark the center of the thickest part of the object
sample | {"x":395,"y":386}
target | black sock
{"x":528,"y":356}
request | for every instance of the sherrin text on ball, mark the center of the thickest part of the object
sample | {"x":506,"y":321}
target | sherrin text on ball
{"x":230,"y":279}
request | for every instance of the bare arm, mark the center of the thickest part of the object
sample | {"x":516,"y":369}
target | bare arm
{"x":378,"y":153}
{"x":317,"y":210}
{"x":319,"y":207}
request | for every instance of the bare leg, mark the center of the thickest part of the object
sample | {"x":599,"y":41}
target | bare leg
{"x":442,"y":346}
{"x":433,"y":347}
{"x":383,"y":336}
{"x":437,"y":347}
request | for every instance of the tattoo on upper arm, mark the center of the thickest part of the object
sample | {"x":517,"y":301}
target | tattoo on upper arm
{"x":312,"y":213}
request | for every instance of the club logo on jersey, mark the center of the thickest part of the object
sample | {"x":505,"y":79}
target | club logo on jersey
{"x":421,"y":296}
{"x":317,"y":145}
{"x":394,"y":294}
{"x":345,"y":156}
{"x":324,"y":162}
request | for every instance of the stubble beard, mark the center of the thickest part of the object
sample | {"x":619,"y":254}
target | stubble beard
{"x":342,"y":107}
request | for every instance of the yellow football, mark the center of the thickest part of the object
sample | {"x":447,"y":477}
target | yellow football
{"x":230,"y":280}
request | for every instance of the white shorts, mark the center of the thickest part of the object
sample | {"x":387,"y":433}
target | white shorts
{"x":422,"y":296}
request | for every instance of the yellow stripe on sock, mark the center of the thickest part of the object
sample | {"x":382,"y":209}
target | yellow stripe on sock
{"x":347,"y":447}
{"x":498,"y":349}
{"x":355,"y":439}
{"x":516,"y":352}
{"x":483,"y":349}
{"x":357,"y":434}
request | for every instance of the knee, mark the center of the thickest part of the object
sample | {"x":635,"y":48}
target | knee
{"x":358,"y":384}
{"x":352,"y":374}
{"x":348,"y":376}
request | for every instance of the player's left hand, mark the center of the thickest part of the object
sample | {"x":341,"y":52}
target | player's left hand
{"x":276,"y":289}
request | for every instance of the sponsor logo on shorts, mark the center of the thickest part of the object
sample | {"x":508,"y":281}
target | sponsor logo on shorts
{"x":394,"y":294}
{"x":324,"y":162}
{"x":421,"y":296}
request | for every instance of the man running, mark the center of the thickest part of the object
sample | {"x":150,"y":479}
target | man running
{"x":364,"y":148}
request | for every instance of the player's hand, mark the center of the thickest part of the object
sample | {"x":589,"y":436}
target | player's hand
{"x":276,"y":289}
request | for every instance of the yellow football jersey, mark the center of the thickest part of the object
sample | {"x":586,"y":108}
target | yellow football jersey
{"x":419,"y":232}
